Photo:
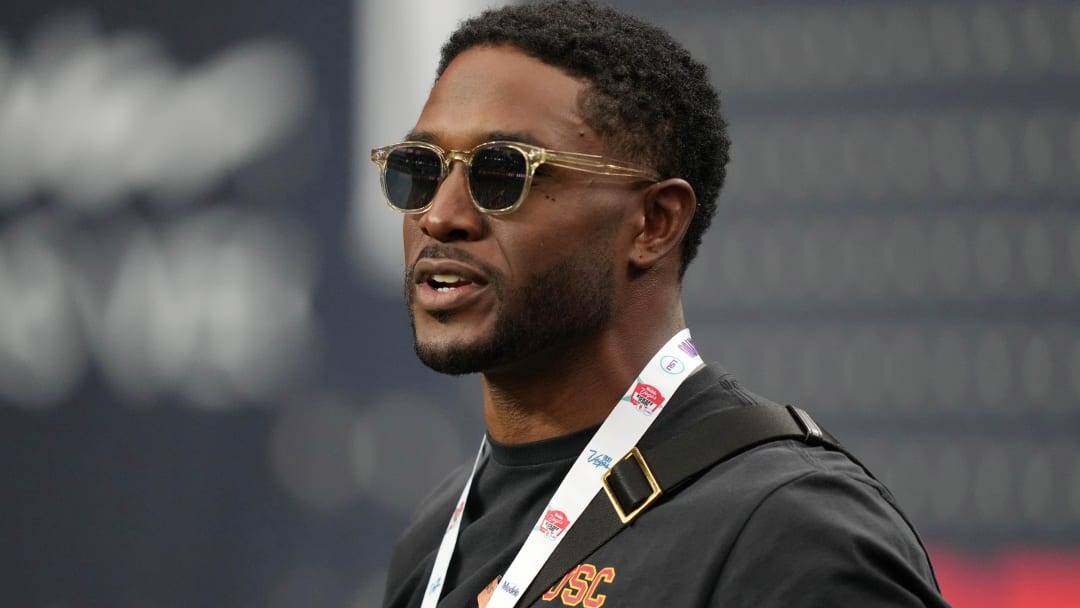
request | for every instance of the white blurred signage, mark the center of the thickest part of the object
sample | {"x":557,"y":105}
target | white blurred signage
{"x":210,"y":306}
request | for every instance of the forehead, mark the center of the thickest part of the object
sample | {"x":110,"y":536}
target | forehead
{"x":499,"y":89}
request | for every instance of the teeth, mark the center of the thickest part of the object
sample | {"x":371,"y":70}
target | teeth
{"x":446,"y":278}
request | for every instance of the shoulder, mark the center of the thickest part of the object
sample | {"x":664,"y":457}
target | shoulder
{"x":782,"y":475}
{"x":786,"y":523}
{"x":807,"y":485}
{"x":782,"y":524}
{"x":816,"y":527}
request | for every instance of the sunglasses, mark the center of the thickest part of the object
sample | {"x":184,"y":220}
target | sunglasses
{"x":499,"y":173}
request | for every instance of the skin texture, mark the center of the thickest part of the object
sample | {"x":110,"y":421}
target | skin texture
{"x":569,"y":296}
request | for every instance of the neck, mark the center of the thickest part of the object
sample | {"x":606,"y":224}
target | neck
{"x":572,"y":387}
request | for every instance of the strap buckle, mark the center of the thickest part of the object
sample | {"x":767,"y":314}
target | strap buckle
{"x":655,"y":492}
{"x":812,"y":432}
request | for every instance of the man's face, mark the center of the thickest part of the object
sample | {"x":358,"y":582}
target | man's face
{"x":488,"y":293}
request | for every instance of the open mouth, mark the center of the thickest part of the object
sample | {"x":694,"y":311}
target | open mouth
{"x":445,"y":283}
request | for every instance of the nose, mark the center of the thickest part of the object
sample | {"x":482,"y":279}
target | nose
{"x":452,"y":215}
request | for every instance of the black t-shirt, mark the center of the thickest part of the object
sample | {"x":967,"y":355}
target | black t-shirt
{"x":781,"y":525}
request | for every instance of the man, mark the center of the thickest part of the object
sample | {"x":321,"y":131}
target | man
{"x":555,"y":186}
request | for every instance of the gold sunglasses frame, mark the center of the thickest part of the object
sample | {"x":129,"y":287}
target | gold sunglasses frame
{"x":534,"y":157}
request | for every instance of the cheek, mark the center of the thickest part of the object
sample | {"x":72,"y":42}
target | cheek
{"x":532,"y":255}
{"x":410,"y":232}
{"x":529,"y":245}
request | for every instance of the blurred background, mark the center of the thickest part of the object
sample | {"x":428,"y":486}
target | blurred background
{"x":208,"y":395}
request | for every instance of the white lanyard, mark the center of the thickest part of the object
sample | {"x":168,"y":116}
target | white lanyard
{"x":622,"y":429}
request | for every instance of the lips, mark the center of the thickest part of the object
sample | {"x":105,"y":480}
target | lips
{"x":443,"y":285}
{"x":428,"y":270}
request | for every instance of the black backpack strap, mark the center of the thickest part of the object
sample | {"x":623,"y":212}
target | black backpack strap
{"x":641,"y":477}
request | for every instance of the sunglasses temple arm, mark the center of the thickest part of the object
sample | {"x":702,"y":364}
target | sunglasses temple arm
{"x":599,"y":167}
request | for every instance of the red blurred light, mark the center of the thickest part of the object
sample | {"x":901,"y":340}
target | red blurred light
{"x":1020,"y":578}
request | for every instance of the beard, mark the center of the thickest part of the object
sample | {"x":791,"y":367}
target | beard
{"x":565,"y":303}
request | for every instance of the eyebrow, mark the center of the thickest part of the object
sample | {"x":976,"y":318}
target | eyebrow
{"x":429,"y":137}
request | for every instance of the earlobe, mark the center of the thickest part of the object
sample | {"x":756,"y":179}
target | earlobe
{"x":668,"y":207}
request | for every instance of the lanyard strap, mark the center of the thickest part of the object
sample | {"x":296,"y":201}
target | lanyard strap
{"x":623,"y":428}
{"x":449,"y":540}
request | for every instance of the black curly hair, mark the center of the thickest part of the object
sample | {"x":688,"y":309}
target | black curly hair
{"x":649,"y":99}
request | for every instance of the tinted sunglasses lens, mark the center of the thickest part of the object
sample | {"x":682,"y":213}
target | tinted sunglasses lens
{"x":411,"y":177}
{"x":497,"y":177}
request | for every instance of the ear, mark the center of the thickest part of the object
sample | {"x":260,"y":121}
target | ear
{"x":667,"y":209}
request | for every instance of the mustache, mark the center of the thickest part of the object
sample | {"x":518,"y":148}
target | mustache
{"x":453,"y":253}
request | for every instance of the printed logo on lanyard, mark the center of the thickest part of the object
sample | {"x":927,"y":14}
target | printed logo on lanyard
{"x":646,"y":398}
{"x":553,"y":523}
{"x":599,"y":459}
{"x":455,"y":518}
{"x":672,"y":365}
